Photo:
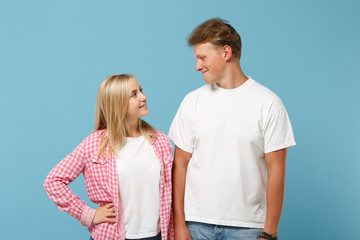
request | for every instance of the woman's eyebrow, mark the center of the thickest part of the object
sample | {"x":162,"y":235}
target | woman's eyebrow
{"x":135,"y":90}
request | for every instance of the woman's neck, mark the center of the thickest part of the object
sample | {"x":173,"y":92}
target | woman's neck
{"x":132,"y":129}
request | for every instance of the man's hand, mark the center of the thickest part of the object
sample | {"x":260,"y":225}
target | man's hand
{"x":105,"y":214}
{"x":182,"y":233}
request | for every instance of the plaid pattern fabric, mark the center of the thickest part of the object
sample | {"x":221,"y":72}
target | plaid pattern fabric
{"x":102,"y":186}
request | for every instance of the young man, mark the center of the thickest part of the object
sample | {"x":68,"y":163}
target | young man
{"x":231,"y":138}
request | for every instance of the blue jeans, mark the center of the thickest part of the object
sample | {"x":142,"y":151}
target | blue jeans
{"x":204,"y":231}
{"x":157,"y":237}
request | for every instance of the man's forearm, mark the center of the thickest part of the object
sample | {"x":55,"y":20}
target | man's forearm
{"x":179,"y":175}
{"x":181,"y":161}
{"x":275,"y":191}
{"x":274,"y":201}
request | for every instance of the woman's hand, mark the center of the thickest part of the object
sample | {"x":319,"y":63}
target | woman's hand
{"x":105,"y":214}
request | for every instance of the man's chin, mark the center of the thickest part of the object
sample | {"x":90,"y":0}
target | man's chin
{"x":208,"y":81}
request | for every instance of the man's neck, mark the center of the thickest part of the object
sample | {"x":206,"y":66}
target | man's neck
{"x":233,"y":77}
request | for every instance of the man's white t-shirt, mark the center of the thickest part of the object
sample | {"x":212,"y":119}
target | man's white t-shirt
{"x":138,"y":171}
{"x":228,"y":133}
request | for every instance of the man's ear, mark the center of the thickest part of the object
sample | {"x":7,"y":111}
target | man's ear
{"x":227,"y":52}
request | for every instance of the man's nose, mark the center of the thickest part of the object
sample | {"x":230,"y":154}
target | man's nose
{"x":198,"y":66}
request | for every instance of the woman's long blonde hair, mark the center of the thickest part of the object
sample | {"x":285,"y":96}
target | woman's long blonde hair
{"x":111,"y":105}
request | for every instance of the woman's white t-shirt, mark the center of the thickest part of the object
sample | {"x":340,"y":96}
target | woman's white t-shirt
{"x":138,"y":171}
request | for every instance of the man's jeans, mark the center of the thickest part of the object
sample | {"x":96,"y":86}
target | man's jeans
{"x":204,"y":231}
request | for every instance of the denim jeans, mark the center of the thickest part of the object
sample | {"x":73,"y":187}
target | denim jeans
{"x":157,"y":237}
{"x":204,"y":231}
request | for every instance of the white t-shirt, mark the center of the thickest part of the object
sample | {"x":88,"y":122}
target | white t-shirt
{"x":228,"y":133}
{"x":138,"y":171}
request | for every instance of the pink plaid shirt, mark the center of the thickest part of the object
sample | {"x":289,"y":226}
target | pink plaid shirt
{"x":102,"y":186}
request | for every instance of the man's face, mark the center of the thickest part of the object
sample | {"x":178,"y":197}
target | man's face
{"x":210,"y":61}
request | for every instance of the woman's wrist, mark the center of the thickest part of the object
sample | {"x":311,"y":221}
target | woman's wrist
{"x":87,"y":216}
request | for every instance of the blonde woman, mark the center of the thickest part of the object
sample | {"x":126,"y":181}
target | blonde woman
{"x":126,"y":166}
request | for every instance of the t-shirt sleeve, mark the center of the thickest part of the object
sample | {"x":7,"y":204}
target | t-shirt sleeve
{"x":278,"y":133}
{"x":180,"y":129}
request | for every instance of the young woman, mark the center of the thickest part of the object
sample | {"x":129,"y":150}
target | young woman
{"x":126,"y":166}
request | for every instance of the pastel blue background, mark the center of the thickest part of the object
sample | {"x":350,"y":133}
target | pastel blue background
{"x":54,"y":54}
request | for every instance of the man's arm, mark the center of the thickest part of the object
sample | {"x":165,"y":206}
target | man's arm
{"x":181,"y":162}
{"x":276,"y":163}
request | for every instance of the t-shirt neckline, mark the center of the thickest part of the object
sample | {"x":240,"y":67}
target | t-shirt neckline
{"x":132,"y":139}
{"x":239,"y":89}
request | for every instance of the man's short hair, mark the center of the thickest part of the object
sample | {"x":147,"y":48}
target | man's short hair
{"x":218,"y":32}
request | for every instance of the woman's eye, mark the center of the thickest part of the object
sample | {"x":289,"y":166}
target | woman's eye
{"x":141,"y":90}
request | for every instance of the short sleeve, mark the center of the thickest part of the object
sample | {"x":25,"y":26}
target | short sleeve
{"x":278,"y":133}
{"x":180,"y":130}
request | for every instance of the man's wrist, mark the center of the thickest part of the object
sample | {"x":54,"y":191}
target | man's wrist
{"x":180,"y":224}
{"x":271,"y":232}
{"x":271,"y":228}
{"x":265,"y":235}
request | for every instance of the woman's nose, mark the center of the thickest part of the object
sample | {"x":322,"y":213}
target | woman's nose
{"x":143,"y":97}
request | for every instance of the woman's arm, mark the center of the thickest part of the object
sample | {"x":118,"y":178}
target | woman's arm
{"x":56,"y":186}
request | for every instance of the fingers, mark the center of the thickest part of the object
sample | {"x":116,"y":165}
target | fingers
{"x":109,"y":205}
{"x":110,"y":210}
{"x":105,"y":213}
{"x":112,"y":214}
{"x":110,"y":220}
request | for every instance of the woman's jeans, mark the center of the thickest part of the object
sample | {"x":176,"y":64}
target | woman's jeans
{"x":200,"y":231}
{"x":157,"y":237}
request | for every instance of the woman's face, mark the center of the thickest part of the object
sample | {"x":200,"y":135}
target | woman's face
{"x":137,"y":101}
